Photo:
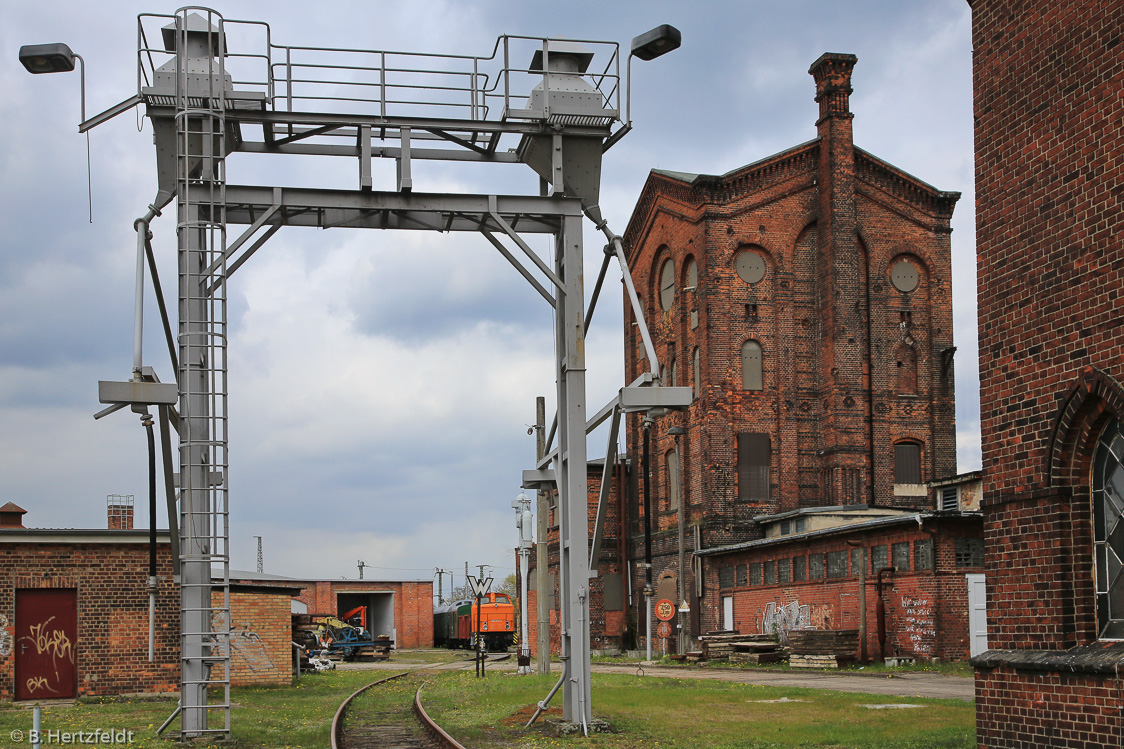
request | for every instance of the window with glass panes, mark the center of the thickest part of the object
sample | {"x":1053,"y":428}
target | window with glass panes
{"x":900,"y":555}
{"x":1108,"y":531}
{"x":837,"y":564}
{"x":970,"y":552}
{"x":856,"y":561}
{"x":784,"y":571}
{"x":771,"y":572}
{"x":799,"y":569}
{"x":923,"y":553}
{"x":725,"y":577}
{"x":741,"y":576}
{"x":815,"y":566}
{"x":879,"y":557}
{"x":755,"y":573}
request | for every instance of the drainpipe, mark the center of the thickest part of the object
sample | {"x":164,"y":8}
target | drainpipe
{"x":882,"y":610}
{"x":146,"y":420}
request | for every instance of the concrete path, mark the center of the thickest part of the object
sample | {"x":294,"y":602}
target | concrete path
{"x":907,"y":684}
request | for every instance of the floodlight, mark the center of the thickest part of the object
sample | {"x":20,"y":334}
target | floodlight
{"x":47,"y":58}
{"x":658,"y":41}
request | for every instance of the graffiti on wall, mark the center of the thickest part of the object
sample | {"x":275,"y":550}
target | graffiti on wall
{"x":917,"y":631}
{"x":246,"y":646}
{"x":780,"y":619}
{"x":5,"y":638}
{"x":54,"y":642}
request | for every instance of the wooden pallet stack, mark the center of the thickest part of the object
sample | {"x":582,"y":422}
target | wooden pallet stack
{"x":823,"y":648}
{"x":743,"y":649}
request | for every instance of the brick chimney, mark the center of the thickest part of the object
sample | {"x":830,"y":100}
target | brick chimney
{"x":847,"y":461}
{"x":11,"y":516}
{"x":119,"y":509}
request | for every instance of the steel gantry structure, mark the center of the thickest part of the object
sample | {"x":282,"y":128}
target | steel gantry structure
{"x":213,"y":87}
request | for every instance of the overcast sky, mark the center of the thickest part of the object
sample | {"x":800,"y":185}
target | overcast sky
{"x":381,"y":384}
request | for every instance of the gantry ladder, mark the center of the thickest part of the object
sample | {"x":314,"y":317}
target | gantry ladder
{"x":201,"y":148}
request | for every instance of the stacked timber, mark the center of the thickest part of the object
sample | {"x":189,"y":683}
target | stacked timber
{"x":744,"y":649}
{"x":823,"y":648}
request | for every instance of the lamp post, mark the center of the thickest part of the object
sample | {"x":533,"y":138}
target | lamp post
{"x":54,"y":58}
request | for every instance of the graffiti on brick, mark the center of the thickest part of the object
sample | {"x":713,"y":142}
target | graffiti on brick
{"x":780,"y":619}
{"x":917,"y":631}
{"x":246,"y":646}
{"x":5,"y":638}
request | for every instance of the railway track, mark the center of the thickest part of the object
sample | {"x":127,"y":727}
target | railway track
{"x":396,"y":720}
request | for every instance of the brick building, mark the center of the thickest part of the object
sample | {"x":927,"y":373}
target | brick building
{"x":1049,"y":102}
{"x":806,"y":298}
{"x":74,"y":614}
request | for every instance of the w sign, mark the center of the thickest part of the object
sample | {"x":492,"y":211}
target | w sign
{"x":479,"y":587}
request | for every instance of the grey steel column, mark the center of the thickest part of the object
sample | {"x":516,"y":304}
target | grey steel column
{"x":543,"y":532}
{"x":195,"y":568}
{"x":571,"y":472}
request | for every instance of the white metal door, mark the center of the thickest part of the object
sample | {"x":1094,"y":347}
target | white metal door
{"x":728,"y":613}
{"x":977,"y":613}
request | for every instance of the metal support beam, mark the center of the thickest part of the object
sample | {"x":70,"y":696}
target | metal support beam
{"x":603,"y":492}
{"x":570,"y":468}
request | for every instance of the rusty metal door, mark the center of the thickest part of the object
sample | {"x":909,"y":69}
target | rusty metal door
{"x":46,"y":644}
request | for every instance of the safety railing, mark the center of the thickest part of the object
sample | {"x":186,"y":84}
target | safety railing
{"x":381,"y":82}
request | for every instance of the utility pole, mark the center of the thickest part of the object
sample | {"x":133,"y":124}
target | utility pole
{"x":361,"y":564}
{"x":261,"y":565}
{"x":440,"y":584}
{"x":523,"y":520}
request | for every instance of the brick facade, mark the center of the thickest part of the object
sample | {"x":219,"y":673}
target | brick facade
{"x":1049,"y":99}
{"x":109,"y":572}
{"x":261,"y":650}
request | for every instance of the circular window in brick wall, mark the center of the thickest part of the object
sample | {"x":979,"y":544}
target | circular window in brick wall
{"x":750,"y":266}
{"x":904,"y":275}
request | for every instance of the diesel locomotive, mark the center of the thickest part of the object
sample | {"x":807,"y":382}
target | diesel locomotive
{"x":455,"y":625}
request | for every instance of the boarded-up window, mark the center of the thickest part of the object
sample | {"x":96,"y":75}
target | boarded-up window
{"x":907,"y":369}
{"x":900,"y":554}
{"x":751,"y":366}
{"x":614,"y":593}
{"x":907,"y":463}
{"x":753,"y":467}
{"x":672,"y":463}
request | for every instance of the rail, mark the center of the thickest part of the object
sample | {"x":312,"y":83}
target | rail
{"x":436,"y":734}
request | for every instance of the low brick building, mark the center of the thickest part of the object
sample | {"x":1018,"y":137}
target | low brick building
{"x":400,"y":609}
{"x":74,"y":613}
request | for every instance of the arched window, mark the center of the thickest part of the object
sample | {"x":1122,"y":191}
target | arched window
{"x":751,"y":366}
{"x":673,"y":371}
{"x":667,"y":285}
{"x":671,"y":461}
{"x":907,"y":463}
{"x":1108,"y":531}
{"x":906,"y":360}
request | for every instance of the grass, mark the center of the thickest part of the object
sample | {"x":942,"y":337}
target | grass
{"x":489,"y":713}
{"x":652,"y":712}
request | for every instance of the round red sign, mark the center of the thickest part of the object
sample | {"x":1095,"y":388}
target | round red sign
{"x":664,"y":630}
{"x":665,"y":610}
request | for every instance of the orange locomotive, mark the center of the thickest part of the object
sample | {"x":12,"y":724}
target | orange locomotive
{"x":454,"y":626}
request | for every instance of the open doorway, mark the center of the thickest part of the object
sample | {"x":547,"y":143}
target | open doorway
{"x":378,"y":610}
